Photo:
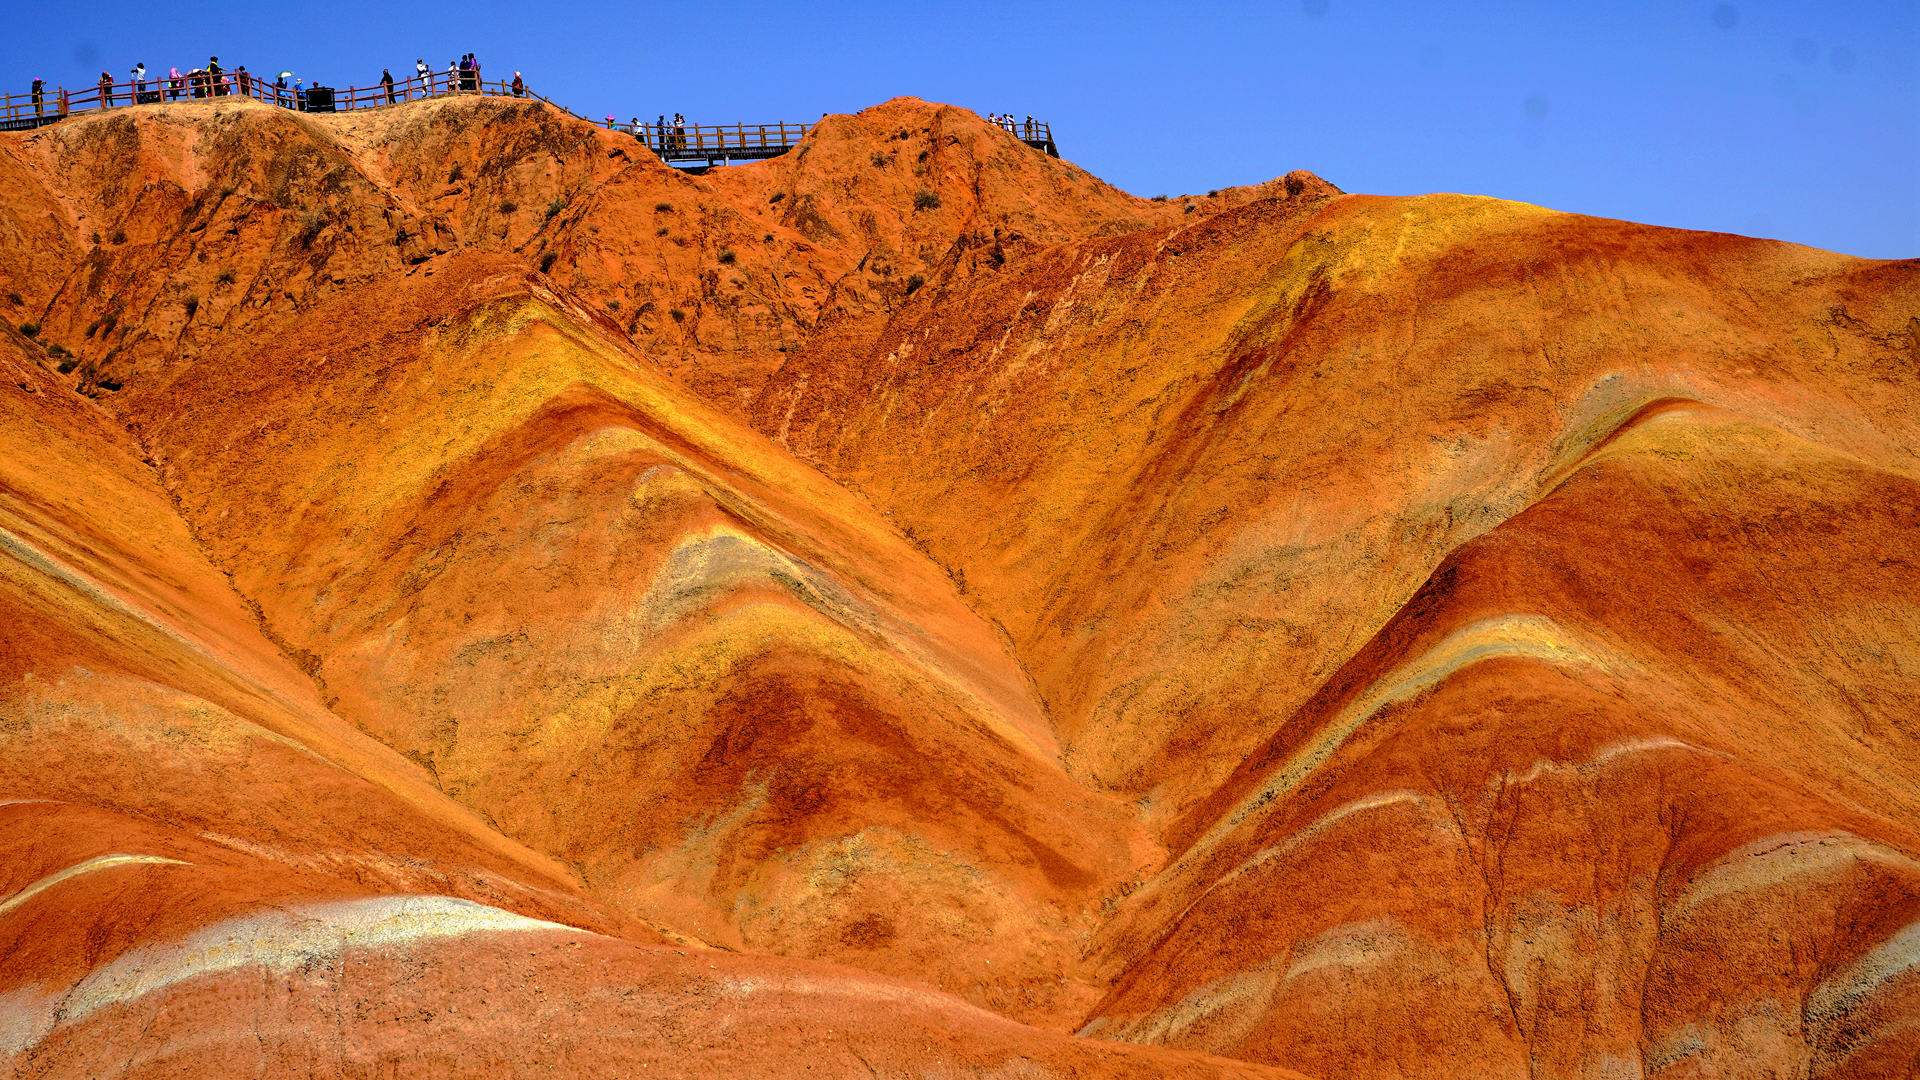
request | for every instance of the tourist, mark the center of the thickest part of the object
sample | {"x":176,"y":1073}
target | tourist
{"x":39,"y":96}
{"x":1029,"y":133}
{"x":106,"y":89}
{"x":138,"y":80}
{"x":425,"y":76}
{"x":609,"y":121}
{"x":477,"y":84}
{"x":466,"y":72}
{"x":679,"y":132}
{"x":216,"y":78}
{"x":175,"y":82}
{"x":519,"y":86}
{"x":386,"y":80}
{"x":453,"y":77}
{"x":243,"y":81}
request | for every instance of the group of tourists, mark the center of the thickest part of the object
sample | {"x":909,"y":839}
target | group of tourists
{"x":1012,"y":126}
{"x":209,"y":81}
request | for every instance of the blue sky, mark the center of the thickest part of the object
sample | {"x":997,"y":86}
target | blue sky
{"x":1794,"y":121}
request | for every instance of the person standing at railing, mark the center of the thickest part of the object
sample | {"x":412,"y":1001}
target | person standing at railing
{"x":477,"y":84}
{"x":386,"y":81}
{"x":453,"y":76}
{"x":106,"y":89}
{"x":679,"y":132}
{"x":137,"y":80}
{"x":243,"y":80}
{"x":421,"y":72}
{"x":39,"y":97}
{"x":519,"y":86}
{"x":216,"y":82}
{"x":175,"y":83}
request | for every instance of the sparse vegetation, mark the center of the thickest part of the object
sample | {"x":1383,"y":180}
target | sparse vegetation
{"x":509,"y":206}
{"x":31,"y":329}
{"x":68,"y":364}
{"x":456,"y":174}
{"x":546,"y":260}
{"x":776,"y":196}
{"x":554,"y":208}
{"x":311,"y":222}
{"x":727,"y":256}
{"x":119,"y":236}
{"x":1189,"y":208}
{"x":15,"y":299}
{"x":613,"y":303}
{"x":1212,"y":193}
{"x":225,"y":277}
{"x":57,"y":349}
{"x":227,"y":190}
{"x":1159,"y":198}
{"x":192,"y":304}
{"x":678,"y":315}
{"x":914,"y":281}
{"x":925,"y":200}
{"x":663,"y":207}
{"x":923,"y":155}
{"x":880,"y":159}
{"x":767,"y":239}
{"x":661,"y":231}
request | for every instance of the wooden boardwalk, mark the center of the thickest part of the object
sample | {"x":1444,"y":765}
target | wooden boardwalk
{"x":696,"y":146}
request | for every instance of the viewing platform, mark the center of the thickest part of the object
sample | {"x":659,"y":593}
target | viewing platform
{"x":695,"y":147}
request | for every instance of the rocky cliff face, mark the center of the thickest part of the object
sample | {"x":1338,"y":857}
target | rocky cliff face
{"x":478,"y":599}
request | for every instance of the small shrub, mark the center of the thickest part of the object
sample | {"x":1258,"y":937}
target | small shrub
{"x":546,"y":260}
{"x":67,"y":365}
{"x":91,"y":327}
{"x":15,"y":299}
{"x":1212,"y":193}
{"x":119,"y":236}
{"x":613,"y":304}
{"x":1189,"y":208}
{"x":727,"y":256}
{"x":925,"y":200}
{"x":455,"y":174}
{"x":1159,"y":198}
{"x":31,"y":329}
{"x":94,"y":238}
{"x":311,"y":222}
{"x":663,"y":207}
{"x":227,"y":190}
{"x":57,"y":349}
{"x":767,"y":239}
{"x":661,"y":231}
{"x":914,"y":281}
{"x":678,"y":315}
{"x":554,"y":208}
{"x":192,"y":304}
{"x":225,"y":277}
{"x":923,"y":155}
{"x":880,"y":160}
{"x":509,"y":206}
{"x":776,"y":196}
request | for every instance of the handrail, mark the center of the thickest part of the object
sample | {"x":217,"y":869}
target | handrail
{"x":668,"y":140}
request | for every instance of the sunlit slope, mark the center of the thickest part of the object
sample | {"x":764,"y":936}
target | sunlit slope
{"x":639,"y":638}
{"x":1222,"y":456}
{"x":162,"y":768}
{"x":1633,"y":776}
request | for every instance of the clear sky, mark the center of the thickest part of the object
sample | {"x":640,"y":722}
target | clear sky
{"x":1799,"y":121}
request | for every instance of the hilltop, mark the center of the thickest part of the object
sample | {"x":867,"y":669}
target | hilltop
{"x":484,"y":600}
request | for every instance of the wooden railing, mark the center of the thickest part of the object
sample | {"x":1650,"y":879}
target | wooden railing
{"x":688,"y":142}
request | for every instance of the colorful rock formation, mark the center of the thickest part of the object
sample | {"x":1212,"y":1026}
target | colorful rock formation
{"x":474,"y":600}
